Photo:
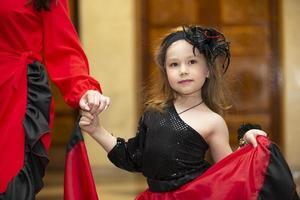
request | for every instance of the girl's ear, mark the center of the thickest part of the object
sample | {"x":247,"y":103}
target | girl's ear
{"x":207,"y":75}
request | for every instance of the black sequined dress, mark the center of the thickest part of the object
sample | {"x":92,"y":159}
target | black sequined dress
{"x":166,"y":150}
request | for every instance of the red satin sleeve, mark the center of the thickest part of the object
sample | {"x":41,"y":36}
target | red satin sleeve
{"x":64,"y":57}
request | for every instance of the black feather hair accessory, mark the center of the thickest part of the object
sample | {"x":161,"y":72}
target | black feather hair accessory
{"x":209,"y":42}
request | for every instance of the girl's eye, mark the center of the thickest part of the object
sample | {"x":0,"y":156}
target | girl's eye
{"x":173,"y":64}
{"x":193,"y":62}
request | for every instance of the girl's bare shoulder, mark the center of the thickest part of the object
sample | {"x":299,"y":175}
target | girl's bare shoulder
{"x":216,"y":123}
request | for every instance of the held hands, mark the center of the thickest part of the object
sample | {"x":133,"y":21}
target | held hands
{"x":94,"y":102}
{"x":89,"y":123}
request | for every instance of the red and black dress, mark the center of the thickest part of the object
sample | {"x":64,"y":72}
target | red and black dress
{"x":170,"y":154}
{"x":27,"y":39}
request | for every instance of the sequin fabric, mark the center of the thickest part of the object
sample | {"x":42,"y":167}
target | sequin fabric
{"x":165,"y":149}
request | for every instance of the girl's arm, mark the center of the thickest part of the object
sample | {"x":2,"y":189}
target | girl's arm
{"x":90,"y":124}
{"x":125,"y":155}
{"x":218,"y":139}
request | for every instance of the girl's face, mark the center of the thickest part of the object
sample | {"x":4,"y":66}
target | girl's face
{"x":186,"y":72}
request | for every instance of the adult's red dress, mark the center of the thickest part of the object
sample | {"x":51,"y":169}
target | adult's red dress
{"x":27,"y":35}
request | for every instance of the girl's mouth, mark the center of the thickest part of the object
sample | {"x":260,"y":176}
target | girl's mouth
{"x":185,"y":81}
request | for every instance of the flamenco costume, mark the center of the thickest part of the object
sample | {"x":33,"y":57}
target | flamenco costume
{"x":28,"y":38}
{"x":170,"y":154}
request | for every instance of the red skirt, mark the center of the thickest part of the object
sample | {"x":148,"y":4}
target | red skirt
{"x":247,"y":174}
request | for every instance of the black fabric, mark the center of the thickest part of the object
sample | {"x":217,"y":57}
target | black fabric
{"x":279,"y":183}
{"x":171,"y":184}
{"x":29,"y":181}
{"x":242,"y":130}
{"x":22,"y":186}
{"x":76,"y":137}
{"x":166,"y":150}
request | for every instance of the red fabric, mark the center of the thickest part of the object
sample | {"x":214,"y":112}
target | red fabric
{"x":28,"y":35}
{"x":79,"y":183}
{"x":239,"y":176}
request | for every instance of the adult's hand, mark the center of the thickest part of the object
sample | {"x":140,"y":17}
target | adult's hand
{"x":94,"y":102}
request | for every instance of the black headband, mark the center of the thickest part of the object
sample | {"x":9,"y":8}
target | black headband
{"x":180,"y":35}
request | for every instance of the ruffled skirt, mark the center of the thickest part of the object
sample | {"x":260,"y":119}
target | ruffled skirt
{"x":247,"y":174}
{"x":29,"y":181}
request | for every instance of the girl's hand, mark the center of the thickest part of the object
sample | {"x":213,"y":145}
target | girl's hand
{"x":89,"y":123}
{"x":94,"y":102}
{"x":250,"y":136}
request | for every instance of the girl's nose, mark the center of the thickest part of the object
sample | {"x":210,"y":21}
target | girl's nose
{"x":183,"y":69}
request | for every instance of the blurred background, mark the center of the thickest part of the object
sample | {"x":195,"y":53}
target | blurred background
{"x":120,"y":37}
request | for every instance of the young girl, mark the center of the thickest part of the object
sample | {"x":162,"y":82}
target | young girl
{"x":181,"y":121}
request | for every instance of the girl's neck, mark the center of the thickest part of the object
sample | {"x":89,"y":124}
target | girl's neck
{"x":187,"y":100}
